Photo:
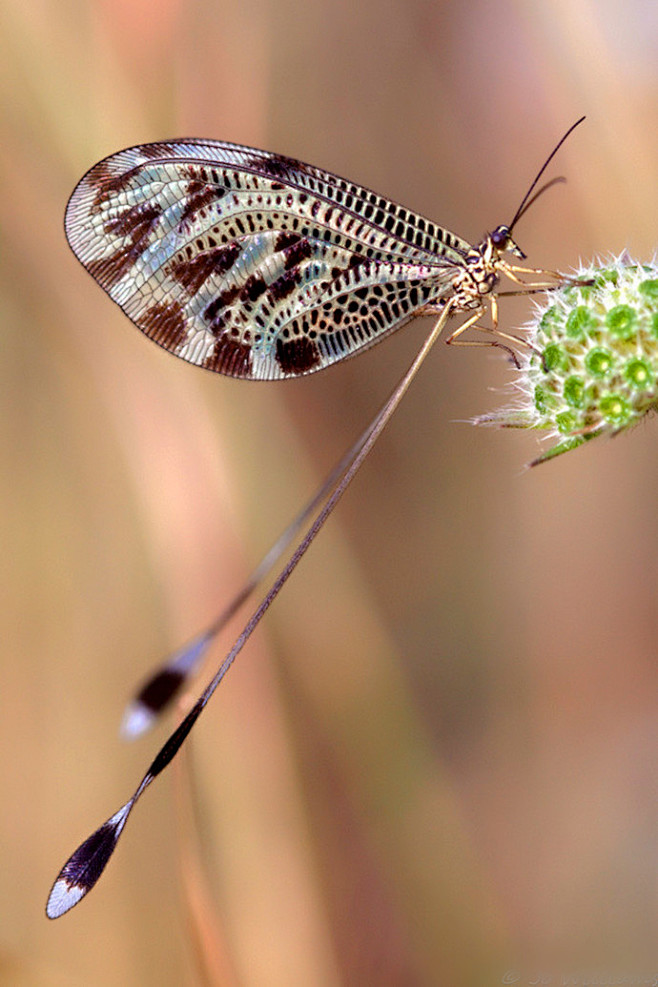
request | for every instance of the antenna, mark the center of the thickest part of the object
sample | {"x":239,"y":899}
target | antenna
{"x":526,"y":197}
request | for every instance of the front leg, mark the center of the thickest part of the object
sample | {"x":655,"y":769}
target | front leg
{"x":513,"y":270}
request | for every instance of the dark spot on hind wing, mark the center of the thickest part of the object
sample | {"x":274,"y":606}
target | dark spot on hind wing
{"x":286,"y":239}
{"x":158,"y":691}
{"x":253,"y":288}
{"x":165,"y":325}
{"x":275,"y":166}
{"x":136,"y":224}
{"x":191,"y":274}
{"x":107,"y":184}
{"x":271,"y":167}
{"x":284,"y":286}
{"x":86,"y":865}
{"x":171,"y":746}
{"x":109,"y":270}
{"x":297,"y":252}
{"x":200,"y":197}
{"x":230,"y":357}
{"x":159,"y":149}
{"x":297,"y":356}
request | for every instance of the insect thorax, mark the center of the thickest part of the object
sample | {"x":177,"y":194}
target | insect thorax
{"x":477,"y":276}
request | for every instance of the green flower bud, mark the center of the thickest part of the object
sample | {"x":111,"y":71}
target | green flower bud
{"x":591,"y":366}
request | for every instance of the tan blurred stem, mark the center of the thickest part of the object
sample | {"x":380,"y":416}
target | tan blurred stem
{"x":207,"y":939}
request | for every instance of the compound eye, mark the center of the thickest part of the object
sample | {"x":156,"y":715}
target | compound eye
{"x":500,"y":236}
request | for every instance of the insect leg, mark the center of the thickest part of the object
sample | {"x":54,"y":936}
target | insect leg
{"x":512,"y":271}
{"x":454,"y":338}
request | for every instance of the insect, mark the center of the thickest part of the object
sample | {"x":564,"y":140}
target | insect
{"x":261,"y":267}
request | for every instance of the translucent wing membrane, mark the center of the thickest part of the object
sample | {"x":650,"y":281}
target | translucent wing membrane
{"x":252,"y":264}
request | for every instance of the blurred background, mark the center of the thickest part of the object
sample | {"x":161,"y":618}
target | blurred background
{"x":436,"y":759}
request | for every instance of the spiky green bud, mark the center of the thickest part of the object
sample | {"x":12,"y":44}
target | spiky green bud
{"x":592,"y":364}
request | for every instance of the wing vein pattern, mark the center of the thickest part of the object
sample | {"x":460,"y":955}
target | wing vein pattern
{"x":252,"y":264}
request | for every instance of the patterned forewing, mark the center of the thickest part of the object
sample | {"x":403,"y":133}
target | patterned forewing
{"x":252,"y":264}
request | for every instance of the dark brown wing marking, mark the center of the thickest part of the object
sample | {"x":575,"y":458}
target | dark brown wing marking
{"x":251,"y":264}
